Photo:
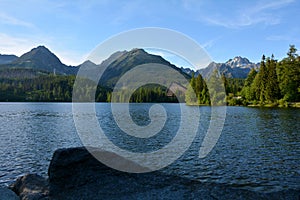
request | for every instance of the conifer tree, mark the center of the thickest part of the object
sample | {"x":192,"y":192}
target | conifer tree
{"x":288,"y":71}
{"x":272,"y":87}
{"x":247,"y":92}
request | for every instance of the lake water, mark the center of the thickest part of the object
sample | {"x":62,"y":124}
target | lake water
{"x":259,"y":148}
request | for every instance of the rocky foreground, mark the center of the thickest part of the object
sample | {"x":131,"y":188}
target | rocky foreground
{"x":75,"y":174}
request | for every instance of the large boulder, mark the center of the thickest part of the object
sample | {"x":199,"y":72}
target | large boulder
{"x":31,"y":187}
{"x":7,"y":194}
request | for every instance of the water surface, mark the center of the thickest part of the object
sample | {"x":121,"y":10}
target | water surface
{"x":259,"y":148}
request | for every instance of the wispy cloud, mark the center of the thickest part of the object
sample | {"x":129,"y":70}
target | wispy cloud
{"x":10,"y":20}
{"x":258,"y":13}
{"x":15,"y":45}
{"x":272,"y":5}
{"x":243,"y":21}
{"x":208,"y":44}
{"x":287,"y":37}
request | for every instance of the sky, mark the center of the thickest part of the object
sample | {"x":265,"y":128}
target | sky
{"x":225,"y":29}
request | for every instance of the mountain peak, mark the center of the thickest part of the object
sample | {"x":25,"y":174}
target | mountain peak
{"x":42,"y":58}
{"x":238,"y":61}
{"x":122,"y":61}
{"x":38,"y":51}
{"x":137,"y":52}
{"x":237,"y":67}
{"x":41,"y":47}
{"x":41,"y":50}
{"x":88,"y":62}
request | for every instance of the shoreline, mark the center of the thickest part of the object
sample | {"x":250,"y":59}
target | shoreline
{"x":273,"y":105}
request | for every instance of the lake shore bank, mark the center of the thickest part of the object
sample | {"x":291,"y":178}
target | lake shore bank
{"x":75,"y":174}
{"x":276,"y":105}
{"x":269,"y":105}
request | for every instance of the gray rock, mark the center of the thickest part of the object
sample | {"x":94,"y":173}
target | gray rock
{"x":31,"y":187}
{"x":7,"y":194}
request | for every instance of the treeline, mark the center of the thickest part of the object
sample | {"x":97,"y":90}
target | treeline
{"x":40,"y":88}
{"x":148,"y":93}
{"x":217,"y":90}
{"x":59,"y":88}
{"x":276,"y":82}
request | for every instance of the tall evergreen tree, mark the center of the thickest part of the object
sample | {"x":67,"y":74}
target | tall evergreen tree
{"x":247,"y":92}
{"x":216,"y":89}
{"x":226,"y":84}
{"x":197,"y":92}
{"x":201,"y":91}
{"x":272,"y":85}
{"x":288,"y":71}
{"x":259,"y":84}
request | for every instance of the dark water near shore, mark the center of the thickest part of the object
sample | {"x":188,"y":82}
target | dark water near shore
{"x":259,"y":148}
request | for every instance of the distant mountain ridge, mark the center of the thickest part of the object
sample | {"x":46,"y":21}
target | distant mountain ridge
{"x":238,"y":67}
{"x":6,"y":59}
{"x":127,"y":60}
{"x":42,"y":59}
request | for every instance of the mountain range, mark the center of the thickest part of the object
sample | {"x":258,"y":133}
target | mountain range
{"x":238,"y":67}
{"x":41,"y":59}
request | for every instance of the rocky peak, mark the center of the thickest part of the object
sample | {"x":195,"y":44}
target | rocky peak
{"x":42,"y":59}
{"x":237,"y":67}
{"x":238,"y":61}
{"x":40,"y":55}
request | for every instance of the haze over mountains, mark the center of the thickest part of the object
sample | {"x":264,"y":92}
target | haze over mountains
{"x":42,"y":59}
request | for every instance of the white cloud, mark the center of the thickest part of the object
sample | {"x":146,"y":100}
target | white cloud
{"x":15,"y":45}
{"x":7,"y":19}
{"x":210,"y":43}
{"x":272,"y":5}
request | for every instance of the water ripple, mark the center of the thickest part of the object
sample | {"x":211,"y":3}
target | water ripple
{"x":259,"y":149}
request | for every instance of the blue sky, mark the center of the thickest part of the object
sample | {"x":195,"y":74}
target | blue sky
{"x":73,"y":28}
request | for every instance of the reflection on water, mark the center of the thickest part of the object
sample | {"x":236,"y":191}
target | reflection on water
{"x":259,"y":149}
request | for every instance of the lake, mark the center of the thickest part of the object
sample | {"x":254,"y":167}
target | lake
{"x":259,"y":148}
